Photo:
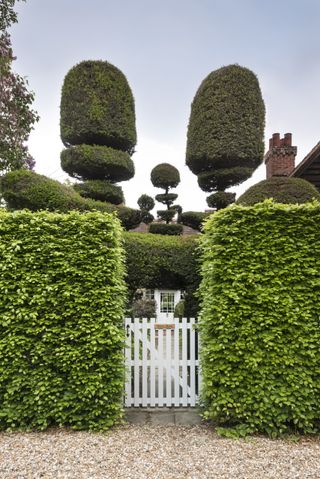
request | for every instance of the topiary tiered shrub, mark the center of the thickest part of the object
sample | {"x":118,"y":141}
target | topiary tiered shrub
{"x":166,"y":176}
{"x":259,"y":321}
{"x":97,"y":123}
{"x":62,"y":298}
{"x":24,"y":189}
{"x":225,"y":132}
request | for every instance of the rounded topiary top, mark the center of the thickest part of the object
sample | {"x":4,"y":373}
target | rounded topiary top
{"x":165,"y":176}
{"x":282,"y":189}
{"x":226,"y":125}
{"x":97,"y":107}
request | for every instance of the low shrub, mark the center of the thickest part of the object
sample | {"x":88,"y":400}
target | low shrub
{"x":165,"y":229}
{"x":61,"y":332}
{"x":193,"y":219}
{"x":259,"y":321}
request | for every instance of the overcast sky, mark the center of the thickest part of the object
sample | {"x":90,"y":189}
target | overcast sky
{"x":166,"y":48}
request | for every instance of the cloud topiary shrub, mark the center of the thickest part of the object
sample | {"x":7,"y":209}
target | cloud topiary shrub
{"x":23,"y":189}
{"x":259,"y":321}
{"x":281,"y":189}
{"x":62,"y":294}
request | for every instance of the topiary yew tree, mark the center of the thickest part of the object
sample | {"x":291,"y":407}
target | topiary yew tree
{"x":97,"y":126}
{"x":226,"y":130}
{"x":166,"y":176}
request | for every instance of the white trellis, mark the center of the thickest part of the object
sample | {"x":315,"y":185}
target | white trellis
{"x":162,"y":363}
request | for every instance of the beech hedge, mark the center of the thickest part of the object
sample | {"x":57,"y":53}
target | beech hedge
{"x":61,"y":332}
{"x":259,"y":323}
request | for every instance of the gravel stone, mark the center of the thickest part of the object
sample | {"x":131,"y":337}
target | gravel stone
{"x":154,"y":452}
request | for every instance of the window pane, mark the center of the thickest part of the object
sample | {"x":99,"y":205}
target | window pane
{"x":166,"y":302}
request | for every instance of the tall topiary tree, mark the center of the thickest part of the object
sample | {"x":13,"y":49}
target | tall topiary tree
{"x":97,"y":126}
{"x":225,"y":132}
{"x":166,"y":176}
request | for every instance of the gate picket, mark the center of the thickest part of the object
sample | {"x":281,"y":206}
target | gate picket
{"x":162,"y":364}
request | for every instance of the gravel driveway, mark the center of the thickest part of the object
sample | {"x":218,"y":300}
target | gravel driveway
{"x":154,"y":452}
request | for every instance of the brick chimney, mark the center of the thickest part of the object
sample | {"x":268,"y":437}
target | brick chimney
{"x":280,"y":158}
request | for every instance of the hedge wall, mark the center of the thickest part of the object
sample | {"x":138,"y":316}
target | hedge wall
{"x":61,"y":333}
{"x":157,"y":261}
{"x":260,"y":295}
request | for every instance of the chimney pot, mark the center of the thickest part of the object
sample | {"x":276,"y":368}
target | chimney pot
{"x":288,"y":139}
{"x":276,"y":140}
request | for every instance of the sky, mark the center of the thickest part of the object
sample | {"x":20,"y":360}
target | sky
{"x":166,"y":48}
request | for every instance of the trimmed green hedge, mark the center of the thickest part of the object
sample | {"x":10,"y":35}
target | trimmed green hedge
{"x":156,"y":261}
{"x":281,"y":189}
{"x":61,"y":332}
{"x":172,"y":229}
{"x":97,"y":107}
{"x":87,"y":162}
{"x":25,"y":189}
{"x":259,"y":322}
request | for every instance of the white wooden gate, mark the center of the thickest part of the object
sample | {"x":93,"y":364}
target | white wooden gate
{"x":162,"y":363}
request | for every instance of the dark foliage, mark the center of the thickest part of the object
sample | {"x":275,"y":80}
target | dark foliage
{"x":165,"y":176}
{"x":146,"y":217}
{"x":156,"y":261}
{"x":144,"y":308}
{"x":226,"y":125}
{"x":100,"y":190}
{"x":87,"y":162}
{"x":97,"y":107}
{"x":220,"y":199}
{"x":282,"y":190}
{"x":172,"y":229}
{"x":193,"y":219}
